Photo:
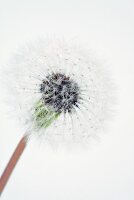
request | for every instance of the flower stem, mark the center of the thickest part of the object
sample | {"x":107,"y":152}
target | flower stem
{"x":12,"y":162}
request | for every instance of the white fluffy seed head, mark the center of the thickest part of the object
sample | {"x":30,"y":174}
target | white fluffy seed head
{"x":69,"y":80}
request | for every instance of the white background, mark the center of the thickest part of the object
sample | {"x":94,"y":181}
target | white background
{"x":106,"y":170}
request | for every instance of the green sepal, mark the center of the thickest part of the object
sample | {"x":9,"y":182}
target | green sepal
{"x":44,"y":116}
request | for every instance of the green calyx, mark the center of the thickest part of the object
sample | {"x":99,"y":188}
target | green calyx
{"x":43,"y":115}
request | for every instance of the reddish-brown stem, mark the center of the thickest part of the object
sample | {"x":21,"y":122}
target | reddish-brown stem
{"x":12,"y":163}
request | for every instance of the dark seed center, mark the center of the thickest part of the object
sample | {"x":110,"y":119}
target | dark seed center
{"x":59,"y":92}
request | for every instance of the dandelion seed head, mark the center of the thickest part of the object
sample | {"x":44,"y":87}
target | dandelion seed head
{"x":60,"y":91}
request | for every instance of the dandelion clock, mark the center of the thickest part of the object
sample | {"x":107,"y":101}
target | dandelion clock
{"x":60,"y":93}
